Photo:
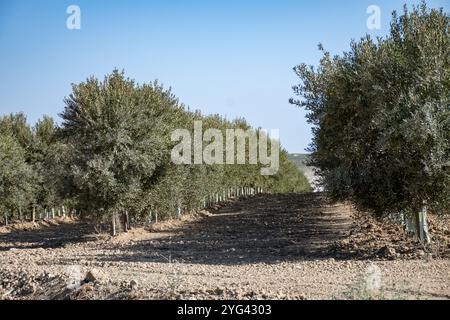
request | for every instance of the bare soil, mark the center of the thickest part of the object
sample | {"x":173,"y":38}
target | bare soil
{"x":263,"y":247}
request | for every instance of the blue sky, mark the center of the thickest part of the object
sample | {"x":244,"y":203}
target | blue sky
{"x":229,"y":57}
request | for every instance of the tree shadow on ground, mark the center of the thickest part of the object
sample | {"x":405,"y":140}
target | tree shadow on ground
{"x":53,"y":236}
{"x":261,"y":229}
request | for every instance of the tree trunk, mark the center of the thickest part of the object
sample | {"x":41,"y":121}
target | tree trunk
{"x":33,"y":214}
{"x":127,"y":217}
{"x":424,"y":234}
{"x":420,"y":225}
{"x":123,"y":221}
{"x":113,"y":224}
{"x":20,"y":215}
{"x":417,"y":223}
{"x":6,"y":219}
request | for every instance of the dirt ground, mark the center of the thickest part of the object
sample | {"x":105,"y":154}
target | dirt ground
{"x":263,"y":247}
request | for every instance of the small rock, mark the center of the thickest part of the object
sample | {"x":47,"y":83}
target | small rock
{"x":387,"y":251}
{"x":82,"y":293}
{"x":91,"y":276}
{"x":420,"y":253}
{"x":218,"y":291}
{"x":30,"y":288}
{"x":133,"y":284}
{"x":369,"y":226}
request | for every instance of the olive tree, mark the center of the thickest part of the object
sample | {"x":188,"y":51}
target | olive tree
{"x":117,"y":132}
{"x":16,"y":189}
{"x":381,"y":117}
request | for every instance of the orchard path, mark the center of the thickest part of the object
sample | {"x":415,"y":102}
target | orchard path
{"x":267,"y":246}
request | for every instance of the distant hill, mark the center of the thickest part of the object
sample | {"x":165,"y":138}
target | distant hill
{"x":300,"y":160}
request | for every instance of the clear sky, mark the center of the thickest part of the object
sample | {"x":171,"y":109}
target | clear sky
{"x":229,"y":57}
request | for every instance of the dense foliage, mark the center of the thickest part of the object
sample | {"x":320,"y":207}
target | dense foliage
{"x":381,"y":116}
{"x":112,"y":153}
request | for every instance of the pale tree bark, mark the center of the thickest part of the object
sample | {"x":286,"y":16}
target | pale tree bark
{"x":421,"y":226}
{"x":127,"y":217}
{"x":113,"y":224}
{"x":424,"y":235}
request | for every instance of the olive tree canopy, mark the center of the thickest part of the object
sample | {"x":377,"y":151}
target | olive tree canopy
{"x":381,"y":116}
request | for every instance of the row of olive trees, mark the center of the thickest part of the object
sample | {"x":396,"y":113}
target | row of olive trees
{"x":381,"y":114}
{"x":30,"y":169}
{"x":110,"y":158}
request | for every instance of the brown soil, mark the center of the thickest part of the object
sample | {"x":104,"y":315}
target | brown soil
{"x":267,"y":246}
